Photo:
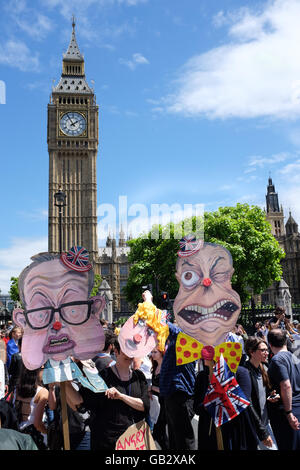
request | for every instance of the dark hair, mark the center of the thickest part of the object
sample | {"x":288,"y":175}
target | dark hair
{"x":117,"y":346}
{"x":15,"y":328}
{"x":110,"y":338}
{"x":277,"y":338}
{"x":154,"y":362}
{"x":251,"y":345}
{"x":279,"y":310}
{"x":27,"y":386}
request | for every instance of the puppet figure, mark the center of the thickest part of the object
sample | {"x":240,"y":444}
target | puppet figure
{"x":206,"y":307}
{"x":59,"y":319}
{"x":144,"y":330}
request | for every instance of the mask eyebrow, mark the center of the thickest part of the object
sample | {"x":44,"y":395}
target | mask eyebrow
{"x":38,"y":292}
{"x":186,"y":262}
{"x":217,"y":260}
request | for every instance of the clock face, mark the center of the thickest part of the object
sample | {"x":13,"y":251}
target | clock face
{"x":72,"y":124}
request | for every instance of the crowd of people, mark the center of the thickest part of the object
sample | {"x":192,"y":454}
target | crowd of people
{"x":169,"y":397}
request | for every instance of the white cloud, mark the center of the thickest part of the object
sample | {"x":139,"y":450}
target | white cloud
{"x":259,"y":161}
{"x":15,"y":53}
{"x":137,"y":59}
{"x":255,"y":74}
{"x":290,"y":197}
{"x":292,"y":172}
{"x":37,"y":27}
{"x":28,"y":19}
{"x":17,"y":256}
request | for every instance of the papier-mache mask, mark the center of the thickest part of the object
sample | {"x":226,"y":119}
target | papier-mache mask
{"x":59,"y":319}
{"x":206,"y":307}
{"x":143,"y":331}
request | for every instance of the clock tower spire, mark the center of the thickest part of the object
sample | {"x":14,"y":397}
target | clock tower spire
{"x":73,"y":146}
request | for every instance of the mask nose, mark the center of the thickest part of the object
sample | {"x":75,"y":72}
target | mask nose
{"x":57,"y":326}
{"x":206,"y":282}
{"x":137,"y":338}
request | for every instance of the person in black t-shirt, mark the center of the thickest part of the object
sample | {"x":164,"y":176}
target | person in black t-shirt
{"x":284,"y":374}
{"x":124,"y":403}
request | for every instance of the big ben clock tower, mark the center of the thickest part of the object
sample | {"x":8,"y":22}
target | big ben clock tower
{"x":72,"y":146}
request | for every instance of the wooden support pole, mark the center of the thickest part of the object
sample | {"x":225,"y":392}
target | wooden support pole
{"x":64,"y":413}
{"x":219,"y":436}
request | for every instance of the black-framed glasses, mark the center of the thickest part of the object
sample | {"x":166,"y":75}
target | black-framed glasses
{"x":73,"y":313}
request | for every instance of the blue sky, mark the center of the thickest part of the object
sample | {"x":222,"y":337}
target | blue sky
{"x":199,"y":101}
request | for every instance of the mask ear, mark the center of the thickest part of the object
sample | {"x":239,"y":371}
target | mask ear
{"x":19,"y":318}
{"x":98,"y":305}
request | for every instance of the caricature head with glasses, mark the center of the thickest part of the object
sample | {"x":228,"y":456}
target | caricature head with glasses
{"x":59,"y":318}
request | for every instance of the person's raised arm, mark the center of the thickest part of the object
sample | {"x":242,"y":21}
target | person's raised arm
{"x":135,"y":403}
{"x":286,"y":394}
{"x":74,"y":399}
{"x":39,"y":411}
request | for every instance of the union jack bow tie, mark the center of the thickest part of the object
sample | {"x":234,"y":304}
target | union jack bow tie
{"x":189,"y":349}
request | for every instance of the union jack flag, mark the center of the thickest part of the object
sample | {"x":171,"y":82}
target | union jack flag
{"x":77,"y":259}
{"x":189,"y":245}
{"x":166,"y":316}
{"x":224,"y":399}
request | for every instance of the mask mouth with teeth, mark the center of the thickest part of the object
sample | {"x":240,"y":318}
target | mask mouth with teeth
{"x":206,"y":307}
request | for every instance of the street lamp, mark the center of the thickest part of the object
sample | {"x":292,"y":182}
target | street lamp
{"x":60,"y":202}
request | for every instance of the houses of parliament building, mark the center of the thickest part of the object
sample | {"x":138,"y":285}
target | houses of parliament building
{"x":72,"y":138}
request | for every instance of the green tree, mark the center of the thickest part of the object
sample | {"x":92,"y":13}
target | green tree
{"x":242,"y":229}
{"x":14,"y":289}
{"x":97,"y":284}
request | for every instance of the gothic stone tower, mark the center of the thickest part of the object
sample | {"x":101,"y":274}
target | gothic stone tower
{"x":72,"y":146}
{"x":274,"y":213}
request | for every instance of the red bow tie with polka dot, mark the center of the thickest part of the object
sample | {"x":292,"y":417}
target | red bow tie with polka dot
{"x":189,"y":349}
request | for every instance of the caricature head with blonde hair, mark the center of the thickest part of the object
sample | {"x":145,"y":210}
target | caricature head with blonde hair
{"x":144,"y":330}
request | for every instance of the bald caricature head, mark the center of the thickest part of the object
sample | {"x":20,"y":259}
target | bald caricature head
{"x":206,"y":307}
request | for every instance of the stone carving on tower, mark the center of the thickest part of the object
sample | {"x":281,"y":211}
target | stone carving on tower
{"x":73,"y":145}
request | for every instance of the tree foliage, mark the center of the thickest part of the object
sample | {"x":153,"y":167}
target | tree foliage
{"x":242,"y":229}
{"x":97,"y":284}
{"x":14,"y":289}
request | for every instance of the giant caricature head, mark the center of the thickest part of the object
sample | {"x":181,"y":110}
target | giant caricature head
{"x":206,"y":307}
{"x":144,"y":330}
{"x":59,"y":319}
